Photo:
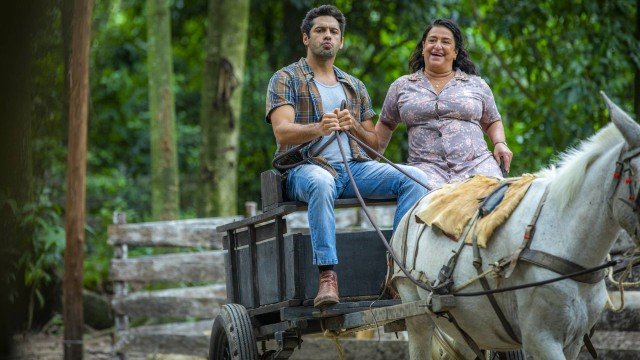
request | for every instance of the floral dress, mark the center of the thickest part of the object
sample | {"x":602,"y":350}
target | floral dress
{"x":446,"y":130}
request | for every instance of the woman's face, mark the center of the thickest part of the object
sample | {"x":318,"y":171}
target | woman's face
{"x":439,"y":49}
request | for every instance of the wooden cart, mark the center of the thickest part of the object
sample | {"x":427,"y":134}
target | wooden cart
{"x":271,"y":283}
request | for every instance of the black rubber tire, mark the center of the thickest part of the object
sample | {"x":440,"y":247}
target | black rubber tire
{"x":232,"y":335}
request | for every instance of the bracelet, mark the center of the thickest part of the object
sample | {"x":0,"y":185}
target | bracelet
{"x":500,"y":142}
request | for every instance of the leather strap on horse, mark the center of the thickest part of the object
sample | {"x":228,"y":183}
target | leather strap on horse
{"x":468,"y":339}
{"x":544,"y":259}
{"x":589,"y":345}
{"x":512,"y":261}
{"x":496,"y":308}
{"x":560,"y":266}
{"x":489,"y":203}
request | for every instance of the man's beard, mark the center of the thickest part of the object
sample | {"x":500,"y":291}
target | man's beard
{"x":325,"y":53}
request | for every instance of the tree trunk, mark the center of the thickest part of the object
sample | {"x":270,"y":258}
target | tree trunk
{"x":66,"y":14}
{"x":76,"y":178}
{"x":221,"y":100}
{"x":165,"y":191}
{"x":16,"y":156}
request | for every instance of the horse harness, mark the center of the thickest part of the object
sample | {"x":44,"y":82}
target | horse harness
{"x":444,"y":284}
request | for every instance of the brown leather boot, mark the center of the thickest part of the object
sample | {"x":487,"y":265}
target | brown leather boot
{"x":327,"y":289}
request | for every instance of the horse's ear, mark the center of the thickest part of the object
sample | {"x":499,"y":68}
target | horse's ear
{"x":627,"y":126}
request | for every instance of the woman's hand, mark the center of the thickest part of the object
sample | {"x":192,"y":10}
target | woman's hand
{"x":503,"y":155}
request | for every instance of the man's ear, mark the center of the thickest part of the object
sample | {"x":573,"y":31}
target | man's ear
{"x":305,"y":39}
{"x":341,"y":42}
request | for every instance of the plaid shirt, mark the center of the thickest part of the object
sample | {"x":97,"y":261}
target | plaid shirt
{"x":293,"y":85}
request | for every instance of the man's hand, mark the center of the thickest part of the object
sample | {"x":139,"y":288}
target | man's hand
{"x":329,"y":123}
{"x":346,"y":121}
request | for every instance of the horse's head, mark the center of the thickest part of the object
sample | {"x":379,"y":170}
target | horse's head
{"x":625,"y":199}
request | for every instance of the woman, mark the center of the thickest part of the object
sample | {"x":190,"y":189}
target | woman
{"x":447,"y":108}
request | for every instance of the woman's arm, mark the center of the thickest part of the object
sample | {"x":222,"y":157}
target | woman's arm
{"x":501,"y":151}
{"x":383,"y":133}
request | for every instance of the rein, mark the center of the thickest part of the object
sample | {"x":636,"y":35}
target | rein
{"x":365,"y":208}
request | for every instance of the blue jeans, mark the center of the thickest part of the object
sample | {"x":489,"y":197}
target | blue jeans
{"x":317,"y":187}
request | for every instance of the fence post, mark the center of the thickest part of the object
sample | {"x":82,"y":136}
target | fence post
{"x":120,"y":251}
{"x":250,"y":208}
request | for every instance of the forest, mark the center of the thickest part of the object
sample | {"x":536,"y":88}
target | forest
{"x":545,"y":61}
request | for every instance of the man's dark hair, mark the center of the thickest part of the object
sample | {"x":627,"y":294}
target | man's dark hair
{"x":324,"y":10}
{"x":463,"y":62}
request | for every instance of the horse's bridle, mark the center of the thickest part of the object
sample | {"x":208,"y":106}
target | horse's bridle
{"x":623,"y":169}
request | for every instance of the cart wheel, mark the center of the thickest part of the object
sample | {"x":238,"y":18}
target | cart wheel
{"x":232,"y":335}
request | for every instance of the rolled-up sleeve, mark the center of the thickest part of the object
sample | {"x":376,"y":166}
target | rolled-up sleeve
{"x":490,"y":112}
{"x":280,"y":92}
{"x":366,"y":107}
{"x":390,"y":115}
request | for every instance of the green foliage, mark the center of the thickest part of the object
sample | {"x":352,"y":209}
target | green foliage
{"x":544,"y":60}
{"x":43,"y":257}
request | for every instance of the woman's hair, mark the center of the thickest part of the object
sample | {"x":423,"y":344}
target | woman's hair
{"x":462,"y":61}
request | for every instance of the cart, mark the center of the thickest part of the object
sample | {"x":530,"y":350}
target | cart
{"x":271,"y":283}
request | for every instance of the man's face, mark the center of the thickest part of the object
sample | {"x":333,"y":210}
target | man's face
{"x":324,"y":39}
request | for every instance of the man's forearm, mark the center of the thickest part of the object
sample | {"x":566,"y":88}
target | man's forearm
{"x":368,"y":137}
{"x":295,"y":134}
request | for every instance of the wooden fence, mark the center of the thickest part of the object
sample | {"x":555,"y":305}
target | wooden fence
{"x":177,"y":318}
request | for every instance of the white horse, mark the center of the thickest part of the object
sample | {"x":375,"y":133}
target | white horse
{"x":585,"y":210}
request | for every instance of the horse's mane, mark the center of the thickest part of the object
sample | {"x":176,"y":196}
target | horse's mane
{"x":572,"y":165}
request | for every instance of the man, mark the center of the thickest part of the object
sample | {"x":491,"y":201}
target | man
{"x":303,"y":104}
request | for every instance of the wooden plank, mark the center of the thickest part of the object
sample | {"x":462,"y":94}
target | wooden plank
{"x":260,"y":218}
{"x":177,"y":338}
{"x":264,"y":232}
{"x":309,"y":312}
{"x":197,"y":266}
{"x":279,"y":230}
{"x":120,"y":288}
{"x":381,"y":315}
{"x":188,"y":233}
{"x":253,"y":255}
{"x":233,"y":267}
{"x":265,"y":309}
{"x":271,"y":189}
{"x":289,"y":207}
{"x":199,"y":302}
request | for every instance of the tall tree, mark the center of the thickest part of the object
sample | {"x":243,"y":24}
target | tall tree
{"x":221,"y":101}
{"x":165,"y":191}
{"x":76,"y":178}
{"x":16,"y":155}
